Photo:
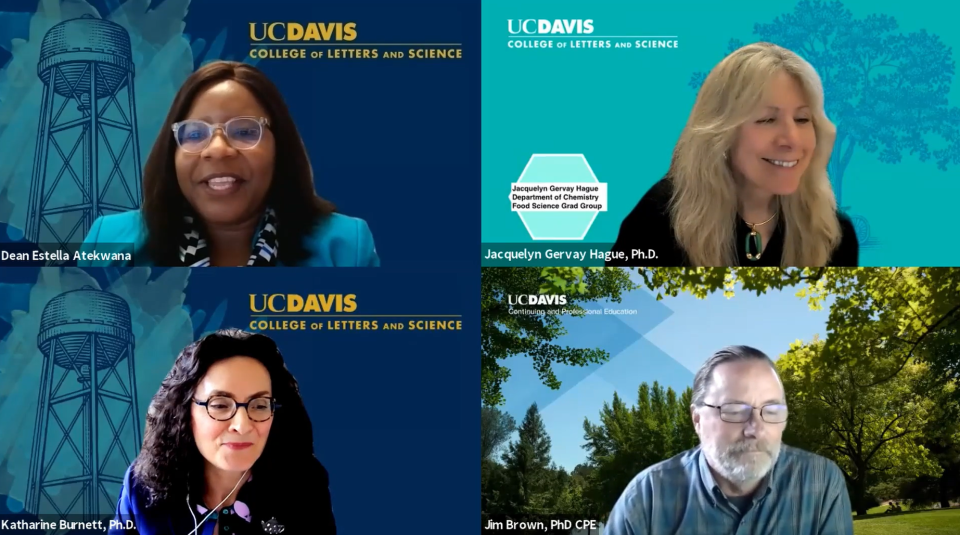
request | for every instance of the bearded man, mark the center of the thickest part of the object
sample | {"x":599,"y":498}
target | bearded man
{"x":740,"y":480}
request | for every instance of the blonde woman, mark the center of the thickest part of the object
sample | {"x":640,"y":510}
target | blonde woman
{"x":748,"y":182}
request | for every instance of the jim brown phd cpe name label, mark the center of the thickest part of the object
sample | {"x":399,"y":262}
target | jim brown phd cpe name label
{"x":550,"y":524}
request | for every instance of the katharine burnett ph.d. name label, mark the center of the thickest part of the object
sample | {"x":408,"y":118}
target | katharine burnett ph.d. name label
{"x":65,"y":525}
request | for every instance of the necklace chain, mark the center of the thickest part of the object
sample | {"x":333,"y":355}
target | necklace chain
{"x":755,"y":225}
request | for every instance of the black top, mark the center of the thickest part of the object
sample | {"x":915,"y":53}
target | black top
{"x":648,"y":229}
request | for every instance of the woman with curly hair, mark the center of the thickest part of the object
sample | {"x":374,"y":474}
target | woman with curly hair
{"x":228,"y":448}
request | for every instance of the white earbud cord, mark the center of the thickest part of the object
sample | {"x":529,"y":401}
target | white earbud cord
{"x":196,"y":526}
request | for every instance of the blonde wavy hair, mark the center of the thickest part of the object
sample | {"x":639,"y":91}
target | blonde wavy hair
{"x":704,"y":205}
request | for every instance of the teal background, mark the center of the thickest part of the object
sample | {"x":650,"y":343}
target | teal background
{"x":624,"y":110}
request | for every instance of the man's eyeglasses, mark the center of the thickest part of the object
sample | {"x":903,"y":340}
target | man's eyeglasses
{"x":738,"y":413}
{"x":222,"y":408}
{"x":242,"y":133}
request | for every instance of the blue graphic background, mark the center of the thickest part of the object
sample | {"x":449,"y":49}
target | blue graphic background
{"x":889,"y":72}
{"x":391,"y":141}
{"x":387,"y":407}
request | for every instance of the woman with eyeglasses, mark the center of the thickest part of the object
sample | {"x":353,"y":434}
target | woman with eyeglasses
{"x":229,"y":183}
{"x":228,"y":448}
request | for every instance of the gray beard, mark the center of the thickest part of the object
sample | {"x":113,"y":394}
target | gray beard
{"x":739,"y":467}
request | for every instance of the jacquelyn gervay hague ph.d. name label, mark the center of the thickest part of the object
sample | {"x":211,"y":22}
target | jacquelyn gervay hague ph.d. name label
{"x":527,"y":255}
{"x":64,"y":256}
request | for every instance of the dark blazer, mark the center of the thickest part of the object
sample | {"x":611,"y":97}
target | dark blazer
{"x":648,"y":228}
{"x":300,"y":502}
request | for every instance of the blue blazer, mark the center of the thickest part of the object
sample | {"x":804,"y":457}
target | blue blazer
{"x":338,"y":241}
{"x":300,"y":502}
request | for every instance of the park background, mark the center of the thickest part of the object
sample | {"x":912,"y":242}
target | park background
{"x":888,"y":67}
{"x":391,"y":141}
{"x":374,"y":397}
{"x":572,"y":408}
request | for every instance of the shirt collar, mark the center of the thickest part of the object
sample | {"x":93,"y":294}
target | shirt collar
{"x":706,"y":477}
{"x":240,"y":508}
{"x":260,"y":225}
{"x":765,"y":489}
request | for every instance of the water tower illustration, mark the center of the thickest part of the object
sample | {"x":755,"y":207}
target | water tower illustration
{"x":87,"y":159}
{"x":88,"y":422}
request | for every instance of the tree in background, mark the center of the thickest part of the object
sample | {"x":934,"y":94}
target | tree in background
{"x":905,"y":310}
{"x":527,"y":482}
{"x":940,"y":437}
{"x":503,"y":335}
{"x":575,"y":499}
{"x":527,"y":468}
{"x":494,"y":488}
{"x":942,"y":351}
{"x":870,"y":430}
{"x":495,"y":429}
{"x":887,"y":92}
{"x":627,"y":440}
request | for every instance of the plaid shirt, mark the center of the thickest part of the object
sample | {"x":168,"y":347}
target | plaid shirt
{"x":804,"y":494}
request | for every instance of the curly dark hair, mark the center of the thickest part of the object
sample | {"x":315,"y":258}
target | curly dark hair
{"x":292,"y":194}
{"x":169,"y":464}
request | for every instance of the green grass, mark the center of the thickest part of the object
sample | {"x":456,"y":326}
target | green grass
{"x":932,"y":522}
{"x":882,"y":509}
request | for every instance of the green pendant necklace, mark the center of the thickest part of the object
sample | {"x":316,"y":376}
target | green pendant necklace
{"x":755,"y":240}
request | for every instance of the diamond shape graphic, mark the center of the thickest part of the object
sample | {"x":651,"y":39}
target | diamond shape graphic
{"x":641,"y":363}
{"x":644,"y":362}
{"x":612,"y":333}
